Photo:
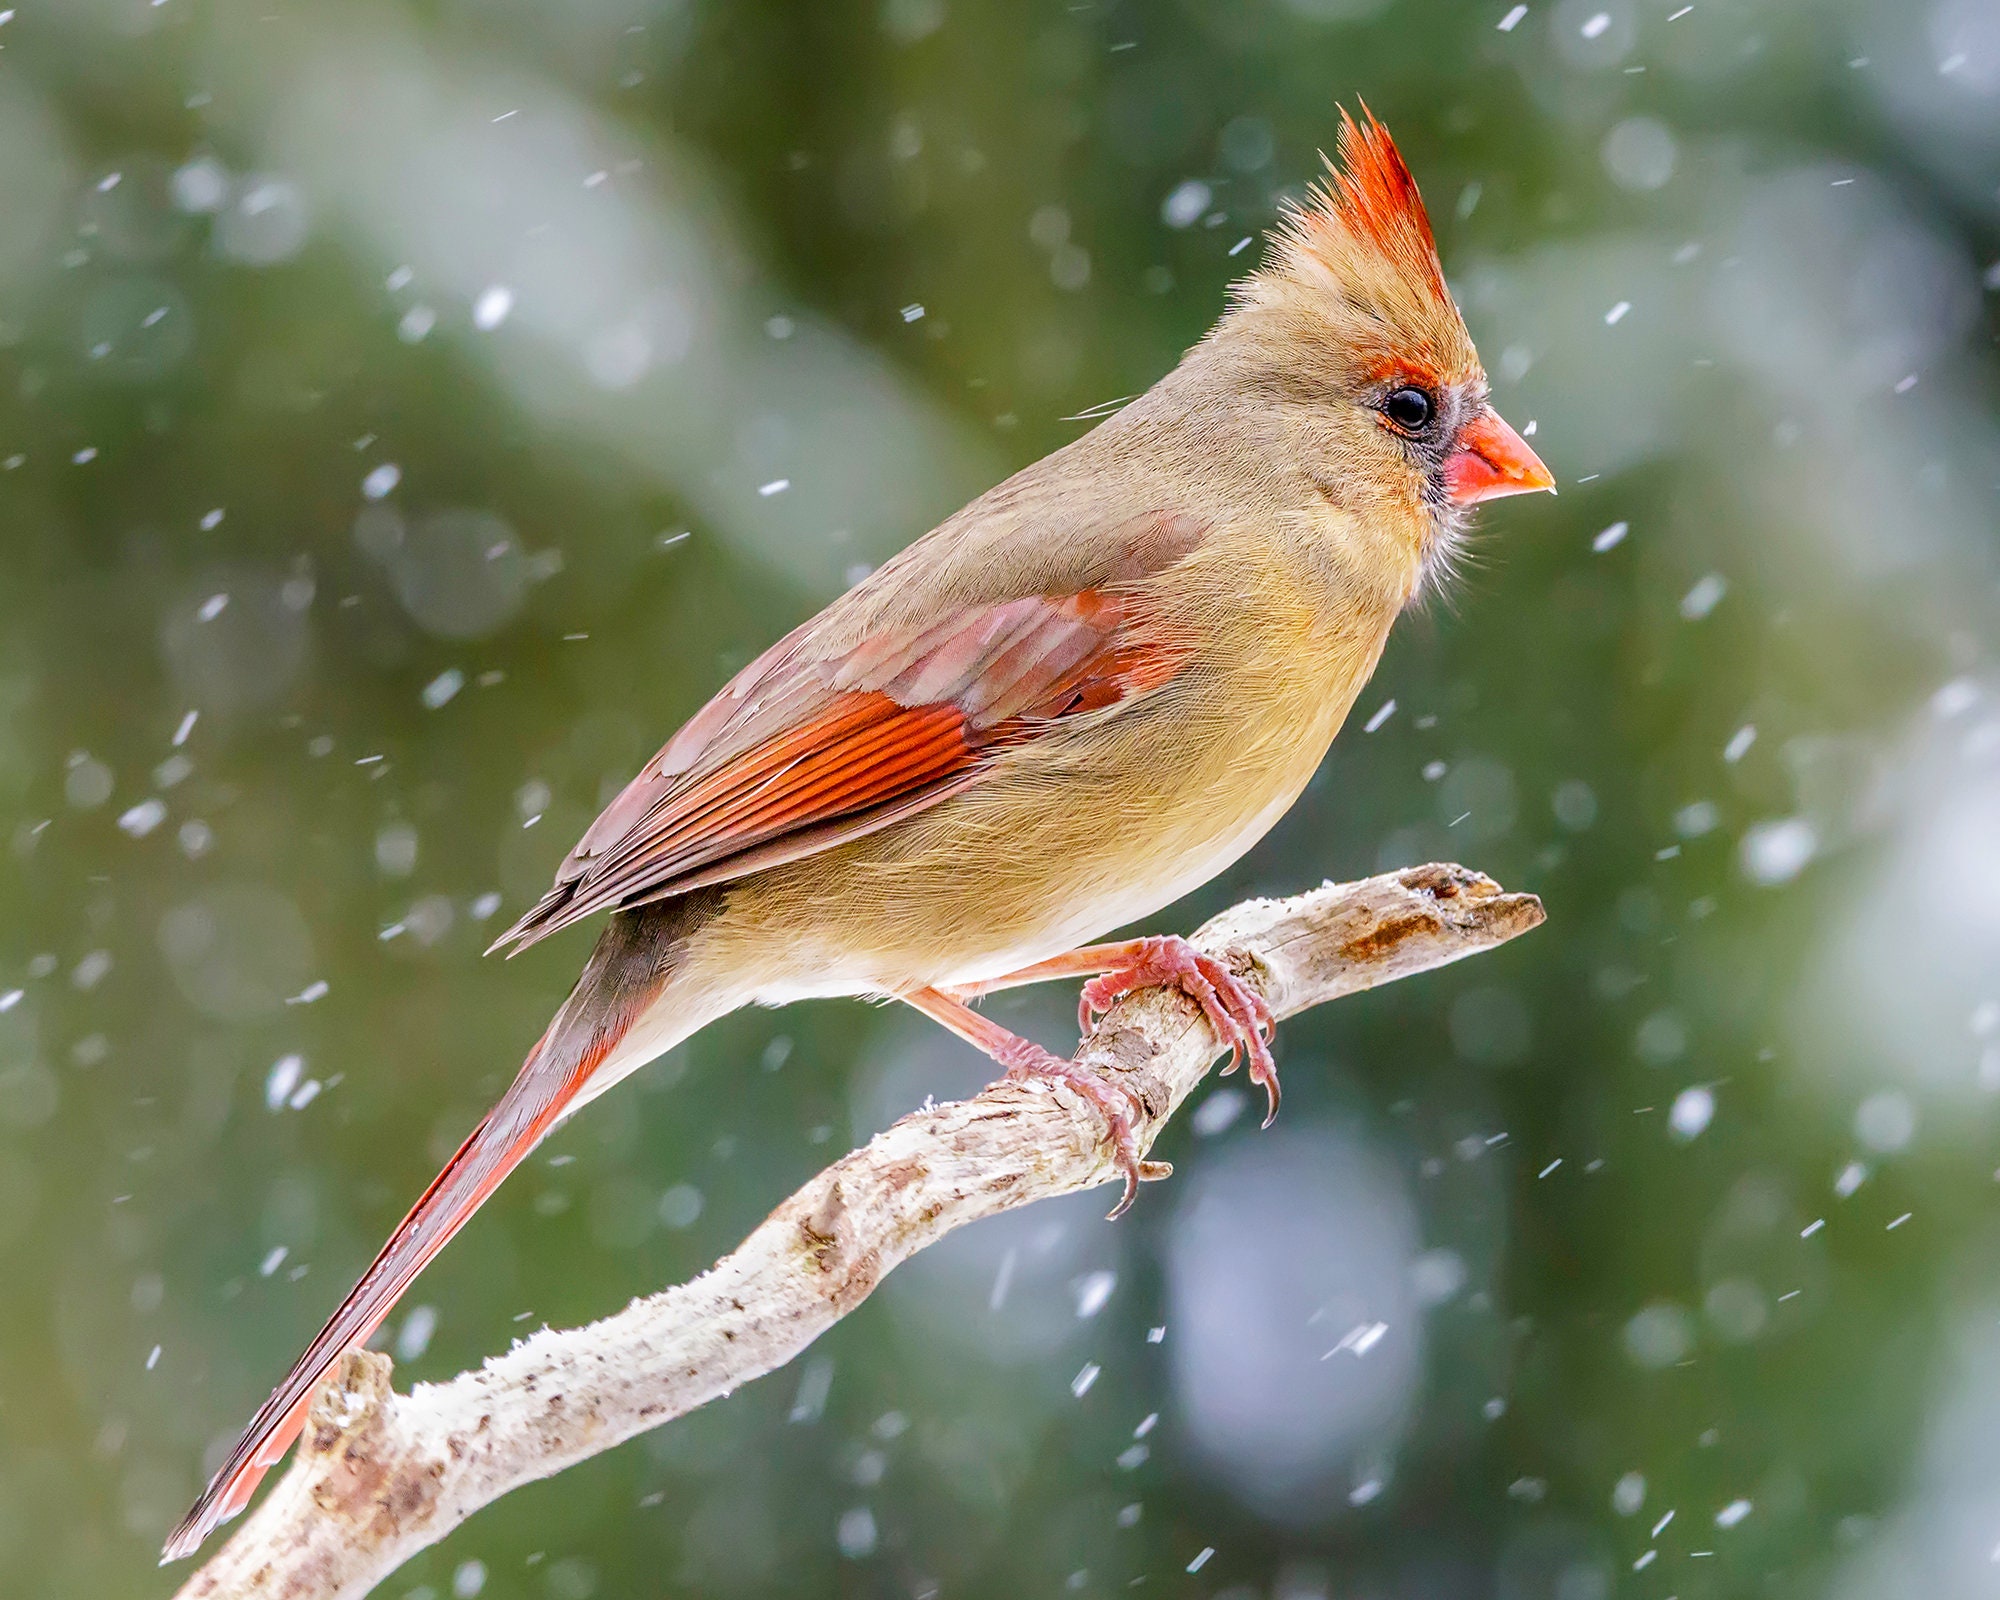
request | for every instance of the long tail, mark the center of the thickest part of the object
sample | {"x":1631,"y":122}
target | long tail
{"x":633,"y":963}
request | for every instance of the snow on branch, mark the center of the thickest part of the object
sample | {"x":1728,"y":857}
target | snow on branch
{"x":379,"y":1476}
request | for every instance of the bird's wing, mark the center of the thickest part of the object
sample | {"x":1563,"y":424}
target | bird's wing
{"x":815,"y":744}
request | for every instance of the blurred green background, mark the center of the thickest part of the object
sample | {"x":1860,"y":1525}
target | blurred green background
{"x":409,"y":414}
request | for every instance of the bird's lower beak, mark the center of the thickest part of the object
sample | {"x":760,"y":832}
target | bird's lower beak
{"x":1491,"y":459}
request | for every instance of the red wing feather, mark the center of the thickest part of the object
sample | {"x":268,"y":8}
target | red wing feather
{"x":801,"y":753}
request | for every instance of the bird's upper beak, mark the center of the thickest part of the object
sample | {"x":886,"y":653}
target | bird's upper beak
{"x":1491,"y":459}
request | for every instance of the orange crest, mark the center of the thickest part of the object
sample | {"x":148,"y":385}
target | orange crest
{"x":1358,"y":252}
{"x":1368,"y":205}
{"x":1378,"y":198}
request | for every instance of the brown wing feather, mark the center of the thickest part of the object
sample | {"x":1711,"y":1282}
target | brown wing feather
{"x":841,"y":745}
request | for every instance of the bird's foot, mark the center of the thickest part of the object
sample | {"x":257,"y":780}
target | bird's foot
{"x":1236,"y":1012}
{"x":1112,"y":1101}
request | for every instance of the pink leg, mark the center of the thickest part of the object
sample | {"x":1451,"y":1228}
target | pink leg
{"x":1025,"y":1059}
{"x":1234,"y":1010}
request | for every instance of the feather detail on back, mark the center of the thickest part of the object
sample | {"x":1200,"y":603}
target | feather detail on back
{"x":809,"y":748}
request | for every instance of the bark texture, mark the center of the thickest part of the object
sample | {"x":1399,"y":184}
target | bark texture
{"x":378,"y":1476}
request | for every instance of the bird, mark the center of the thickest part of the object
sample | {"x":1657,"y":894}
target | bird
{"x":1073,"y":701}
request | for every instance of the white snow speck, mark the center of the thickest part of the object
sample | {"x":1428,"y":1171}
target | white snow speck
{"x":282,"y":1079}
{"x":491,"y":308}
{"x":211,"y":520}
{"x":212,"y":607}
{"x":1628,"y":1494}
{"x":913,"y":312}
{"x":815,"y":1384}
{"x":1240,"y":245}
{"x":1202,"y":1560}
{"x":316,"y":990}
{"x":775,"y":486}
{"x":399,"y":280}
{"x":414,"y":1337}
{"x":1093,"y":1291}
{"x":1080,"y":1384}
{"x":1360,"y":1339}
{"x":381,"y":481}
{"x":272,"y":1261}
{"x":440,"y":690}
{"x":855,"y":1533}
{"x":11,"y":999}
{"x":1693,"y":1110}
{"x":1156,"y":1335}
{"x":1704,"y":597}
{"x":1885,"y":1122}
{"x":1617,"y":313}
{"x":415,"y":324}
{"x":1184,"y":205}
{"x":1778,"y":851}
{"x":85,"y":456}
{"x":1382,"y":714}
{"x":1852,"y":1177}
{"x":1905,"y":384}
{"x":305,"y":1094}
{"x":1812,"y":1227}
{"x":1003,"y":1280}
{"x":1954,"y":699}
{"x":1697,"y":819}
{"x":1513,"y":19}
{"x":143,"y":818}
{"x":1739,"y":743}
{"x":468,"y":1580}
{"x":1595,"y":25}
{"x":1899,"y":1221}
{"x":1218,"y":1113}
{"x":1611,"y":537}
{"x":186,"y":727}
{"x":1732,"y":1513}
{"x":153,"y":1360}
{"x":1369,"y":1489}
{"x":1646,"y":1559}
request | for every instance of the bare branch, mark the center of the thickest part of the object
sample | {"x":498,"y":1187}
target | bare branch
{"x":379,"y":1476}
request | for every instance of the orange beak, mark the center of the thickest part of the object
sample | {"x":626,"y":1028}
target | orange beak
{"x":1490,"y":460}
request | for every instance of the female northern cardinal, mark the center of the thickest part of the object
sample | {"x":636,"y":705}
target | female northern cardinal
{"x":1075,"y":700}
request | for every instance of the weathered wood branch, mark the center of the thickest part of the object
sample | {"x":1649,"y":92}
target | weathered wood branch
{"x":379,"y":1476}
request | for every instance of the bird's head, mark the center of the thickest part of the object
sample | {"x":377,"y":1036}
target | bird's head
{"x":1349,"y":331}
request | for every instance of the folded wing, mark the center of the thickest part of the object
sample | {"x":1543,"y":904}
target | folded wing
{"x":807,"y":749}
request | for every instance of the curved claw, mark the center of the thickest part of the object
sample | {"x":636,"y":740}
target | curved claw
{"x":1118,"y":1105}
{"x":1238,"y":1013}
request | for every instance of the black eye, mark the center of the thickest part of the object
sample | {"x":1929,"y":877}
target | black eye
{"x":1410,"y":409}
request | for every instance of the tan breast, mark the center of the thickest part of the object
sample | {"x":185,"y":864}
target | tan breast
{"x":1082,"y":833}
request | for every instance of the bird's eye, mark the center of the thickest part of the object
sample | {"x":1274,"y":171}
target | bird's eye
{"x":1410,"y":409}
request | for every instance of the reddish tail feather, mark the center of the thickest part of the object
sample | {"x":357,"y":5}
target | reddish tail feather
{"x":628,"y":970}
